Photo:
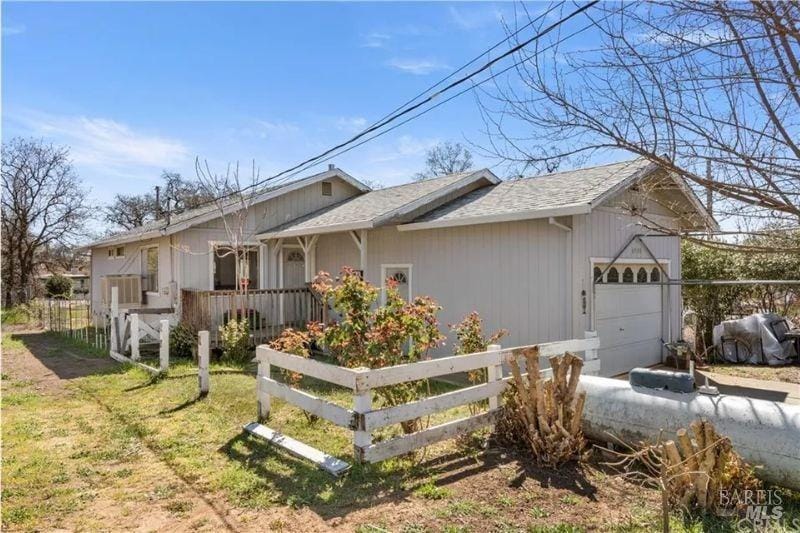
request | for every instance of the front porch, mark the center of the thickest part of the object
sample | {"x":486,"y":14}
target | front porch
{"x":268,"y":311}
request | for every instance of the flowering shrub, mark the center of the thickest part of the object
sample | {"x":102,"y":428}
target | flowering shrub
{"x":395,"y":333}
{"x":470,"y":339}
{"x":295,"y":342}
{"x":235,"y":337}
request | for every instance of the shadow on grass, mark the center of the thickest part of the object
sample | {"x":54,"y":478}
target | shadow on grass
{"x":65,"y":357}
{"x":155,"y":379}
{"x":299,"y":483}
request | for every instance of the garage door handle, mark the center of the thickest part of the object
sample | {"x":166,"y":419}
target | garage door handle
{"x":622,"y":329}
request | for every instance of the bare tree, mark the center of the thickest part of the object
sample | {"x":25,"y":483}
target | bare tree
{"x":178,"y":194}
{"x":44,"y":205}
{"x":233,"y":203}
{"x":684,"y":84}
{"x":445,"y":158}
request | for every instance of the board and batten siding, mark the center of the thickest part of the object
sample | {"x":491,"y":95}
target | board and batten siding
{"x":184,"y":258}
{"x":601,"y":234}
{"x":131,"y":263}
{"x":512,"y":273}
{"x":526,"y":276}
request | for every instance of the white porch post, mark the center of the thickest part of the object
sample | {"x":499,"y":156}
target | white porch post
{"x":274,"y":265}
{"x":309,"y":246}
{"x":363,"y":249}
{"x":360,"y":239}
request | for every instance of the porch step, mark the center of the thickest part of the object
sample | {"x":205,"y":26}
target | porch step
{"x":330,"y":464}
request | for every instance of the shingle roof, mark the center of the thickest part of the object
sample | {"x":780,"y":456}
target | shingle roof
{"x":374,"y":205}
{"x":201,"y":214}
{"x":563,"y":189}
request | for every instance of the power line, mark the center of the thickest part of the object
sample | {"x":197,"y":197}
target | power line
{"x":344,"y":148}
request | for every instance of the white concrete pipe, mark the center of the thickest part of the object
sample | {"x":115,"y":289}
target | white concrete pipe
{"x":764,"y":433}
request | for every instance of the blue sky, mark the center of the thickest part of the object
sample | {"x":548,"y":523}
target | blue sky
{"x":134,"y":88}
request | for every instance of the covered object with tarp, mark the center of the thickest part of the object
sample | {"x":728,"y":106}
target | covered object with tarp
{"x":757,"y":339}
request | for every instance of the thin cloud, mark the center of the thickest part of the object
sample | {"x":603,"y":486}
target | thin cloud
{"x":375,"y":40}
{"x":105,"y":143}
{"x":351,"y":124}
{"x":14,"y":29}
{"x":418,"y":67}
{"x":473,"y":18}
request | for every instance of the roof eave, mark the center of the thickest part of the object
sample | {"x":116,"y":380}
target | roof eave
{"x":708,"y":220}
{"x":303,"y":232}
{"x":532,"y":214}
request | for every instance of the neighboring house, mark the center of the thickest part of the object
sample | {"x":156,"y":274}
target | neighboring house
{"x":79,"y":276}
{"x":522,"y":253}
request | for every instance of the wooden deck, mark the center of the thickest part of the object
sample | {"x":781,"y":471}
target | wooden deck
{"x":268,"y":311}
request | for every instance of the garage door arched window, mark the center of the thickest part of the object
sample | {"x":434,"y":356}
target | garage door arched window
{"x":613,"y":275}
{"x":598,"y":275}
{"x":641,"y":275}
{"x":627,"y":275}
{"x":655,"y":275}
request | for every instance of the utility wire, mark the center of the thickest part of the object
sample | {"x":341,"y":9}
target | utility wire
{"x":344,"y":148}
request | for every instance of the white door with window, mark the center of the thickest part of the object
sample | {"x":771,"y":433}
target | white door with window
{"x":401,"y":275}
{"x":628,"y":317}
{"x":293,"y":274}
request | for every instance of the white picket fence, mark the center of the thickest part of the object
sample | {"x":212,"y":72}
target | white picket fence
{"x":363,"y":419}
{"x":128,"y":332}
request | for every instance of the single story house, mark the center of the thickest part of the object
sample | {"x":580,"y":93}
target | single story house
{"x":524,"y":253}
{"x":79,"y":277}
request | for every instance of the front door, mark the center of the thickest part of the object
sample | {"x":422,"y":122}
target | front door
{"x":401,"y":274}
{"x":294,"y":276}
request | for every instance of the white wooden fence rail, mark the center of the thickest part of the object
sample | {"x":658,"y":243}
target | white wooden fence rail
{"x":363,"y":419}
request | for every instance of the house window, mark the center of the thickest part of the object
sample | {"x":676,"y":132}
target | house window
{"x":627,"y":275}
{"x":150,"y":269}
{"x":655,"y":275}
{"x":225,"y":271}
{"x":641,"y":275}
{"x":401,"y":275}
{"x":327,"y":188}
{"x":613,"y":275}
{"x":598,"y":275}
{"x":116,"y":252}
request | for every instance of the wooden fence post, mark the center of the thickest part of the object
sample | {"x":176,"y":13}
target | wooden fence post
{"x":202,"y":360}
{"x":263,"y":398}
{"x":362,"y":404}
{"x":163,"y":348}
{"x":135,"y":336}
{"x":114,"y":344}
{"x":494,"y":373}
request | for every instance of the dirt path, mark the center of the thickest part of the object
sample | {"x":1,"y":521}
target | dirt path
{"x":114,"y":506}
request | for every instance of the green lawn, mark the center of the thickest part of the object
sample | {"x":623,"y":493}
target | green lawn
{"x":112,"y":435}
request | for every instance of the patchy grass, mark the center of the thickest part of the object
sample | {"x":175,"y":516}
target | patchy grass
{"x":787,"y":373}
{"x":110,"y":449}
{"x":16,"y":316}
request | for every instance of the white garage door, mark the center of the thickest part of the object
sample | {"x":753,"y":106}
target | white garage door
{"x":629,"y":324}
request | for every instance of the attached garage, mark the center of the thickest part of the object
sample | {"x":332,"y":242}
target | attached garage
{"x":629,"y":315}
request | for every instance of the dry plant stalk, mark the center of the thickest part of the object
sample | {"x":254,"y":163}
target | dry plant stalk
{"x":549,"y":410}
{"x":699,"y":468}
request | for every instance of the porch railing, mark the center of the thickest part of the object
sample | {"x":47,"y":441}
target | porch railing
{"x":268,"y":311}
